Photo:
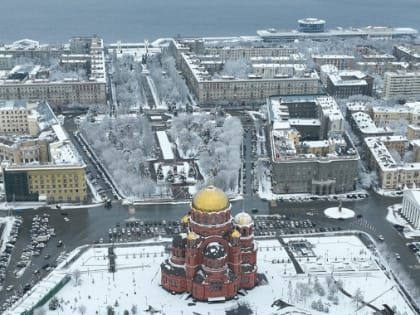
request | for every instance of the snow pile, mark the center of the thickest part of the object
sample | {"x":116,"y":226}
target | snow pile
{"x":339,"y":213}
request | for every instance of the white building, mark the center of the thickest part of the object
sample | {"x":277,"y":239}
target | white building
{"x":401,"y":84}
{"x":411,"y":207}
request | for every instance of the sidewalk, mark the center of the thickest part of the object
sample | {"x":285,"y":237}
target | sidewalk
{"x":17,"y":206}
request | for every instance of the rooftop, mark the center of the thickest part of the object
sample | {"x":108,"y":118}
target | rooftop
{"x":13,"y":104}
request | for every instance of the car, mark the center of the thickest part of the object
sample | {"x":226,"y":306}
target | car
{"x":47,"y":256}
{"x":46,"y":266}
{"x":9,"y":288}
{"x":381,"y":238}
{"x":397,"y":256}
{"x":359,"y":216}
{"x":59,"y":243}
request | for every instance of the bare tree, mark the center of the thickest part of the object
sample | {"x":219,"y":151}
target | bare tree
{"x":76,"y":276}
{"x":82,"y":309}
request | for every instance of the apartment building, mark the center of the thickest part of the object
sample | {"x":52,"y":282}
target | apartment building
{"x":407,"y":52}
{"x":384,"y":115}
{"x":401,"y":84}
{"x":392,"y":174}
{"x":13,"y":117}
{"x":341,"y":62}
{"x":229,"y":89}
{"x":363,"y":126}
{"x":36,"y":83}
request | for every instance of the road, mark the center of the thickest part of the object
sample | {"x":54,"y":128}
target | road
{"x":91,"y":224}
{"x":88,"y":225}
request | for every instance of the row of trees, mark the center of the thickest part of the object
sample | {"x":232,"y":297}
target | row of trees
{"x":215,"y":141}
{"x":170,"y":85}
{"x":128,"y":87}
{"x":125,"y":145}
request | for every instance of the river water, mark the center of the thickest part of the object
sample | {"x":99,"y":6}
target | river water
{"x":136,"y":20}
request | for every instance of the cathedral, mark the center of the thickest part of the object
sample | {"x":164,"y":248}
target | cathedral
{"x":215,"y":254}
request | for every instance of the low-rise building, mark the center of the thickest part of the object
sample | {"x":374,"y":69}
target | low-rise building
{"x":382,"y":67}
{"x":383,"y":115}
{"x":413,"y":132}
{"x":341,"y":62}
{"x":411,"y":207}
{"x":24,"y":150}
{"x":407,"y":52}
{"x":392,"y":174}
{"x":354,"y":107}
{"x":363,"y":126}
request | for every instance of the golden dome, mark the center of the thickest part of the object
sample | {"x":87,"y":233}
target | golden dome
{"x":236,"y":233}
{"x":185,"y":219}
{"x":210,"y":199}
{"x":191,"y":236}
{"x":243,"y":219}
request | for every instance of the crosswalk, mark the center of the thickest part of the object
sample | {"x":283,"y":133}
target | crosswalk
{"x":362,"y":223}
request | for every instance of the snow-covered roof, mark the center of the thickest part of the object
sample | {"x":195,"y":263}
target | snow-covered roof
{"x":357,"y":106}
{"x":13,"y":104}
{"x":381,"y":154}
{"x":348,"y":77}
{"x":165,"y":145}
{"x":367,"y":126}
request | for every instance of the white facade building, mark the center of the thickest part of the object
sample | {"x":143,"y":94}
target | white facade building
{"x":411,"y":207}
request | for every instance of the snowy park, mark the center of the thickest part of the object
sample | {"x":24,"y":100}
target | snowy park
{"x":321,"y":275}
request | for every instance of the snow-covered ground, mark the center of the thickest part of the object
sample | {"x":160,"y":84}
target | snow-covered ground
{"x":5,"y":236}
{"x":137,"y":281}
{"x":182,"y":170}
{"x":337,"y":213}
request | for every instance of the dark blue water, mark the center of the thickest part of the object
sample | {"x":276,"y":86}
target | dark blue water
{"x":136,"y":20}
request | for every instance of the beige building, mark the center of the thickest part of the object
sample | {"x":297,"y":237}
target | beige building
{"x":413,"y":132}
{"x":56,"y":92}
{"x":340,"y":61}
{"x":35,"y":83}
{"x":59,"y":183}
{"x":384,"y":115}
{"x":391,"y":174}
{"x":24,"y":150}
{"x":208,"y":88}
{"x":401,"y":84}
{"x":13,"y":117}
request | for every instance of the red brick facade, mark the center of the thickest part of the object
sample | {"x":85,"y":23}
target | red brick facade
{"x":215,"y":255}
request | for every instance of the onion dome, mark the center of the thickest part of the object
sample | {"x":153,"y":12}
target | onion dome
{"x":185,"y":219}
{"x":243,"y":219}
{"x":235,"y":234}
{"x":210,"y":199}
{"x":192,"y":236}
{"x":214,"y":250}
